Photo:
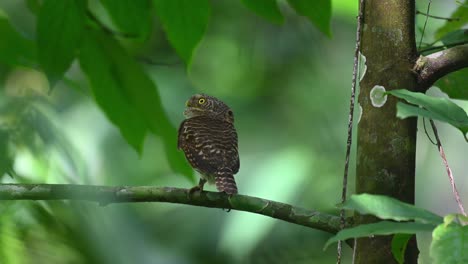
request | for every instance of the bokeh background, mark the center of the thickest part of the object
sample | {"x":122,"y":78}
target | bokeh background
{"x":289,"y":87}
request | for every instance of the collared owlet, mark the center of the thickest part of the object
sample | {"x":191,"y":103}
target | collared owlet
{"x":209,"y":140}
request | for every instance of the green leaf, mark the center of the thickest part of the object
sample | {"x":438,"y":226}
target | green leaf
{"x":109,"y":92}
{"x":128,"y":96}
{"x":454,"y":84}
{"x":455,"y":37}
{"x":6,"y":156}
{"x":15,"y":49}
{"x":265,"y":8}
{"x":380,"y":228}
{"x":34,"y":6}
{"x":435,"y":108}
{"x":386,"y":207}
{"x":461,"y":13}
{"x":59,"y":28}
{"x":317,"y":11}
{"x":399,"y":243}
{"x":132,"y":17}
{"x":185,"y":22}
{"x":448,"y":219}
{"x":450,"y":244}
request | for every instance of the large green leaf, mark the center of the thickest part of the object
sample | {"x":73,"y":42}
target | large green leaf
{"x":461,"y":14}
{"x":380,"y":228}
{"x":128,"y":96}
{"x":265,"y":8}
{"x":14,"y":48}
{"x":435,"y":108}
{"x":185,"y":22}
{"x":386,"y":207}
{"x":450,"y":244}
{"x":110,"y":93}
{"x":455,"y":37}
{"x":59,"y":28}
{"x":132,"y":17}
{"x":317,"y":11}
{"x":454,"y":84}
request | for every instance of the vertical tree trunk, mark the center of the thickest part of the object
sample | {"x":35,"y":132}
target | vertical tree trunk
{"x":386,"y":147}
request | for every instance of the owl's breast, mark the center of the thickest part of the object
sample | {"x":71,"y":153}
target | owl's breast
{"x":209,"y":144}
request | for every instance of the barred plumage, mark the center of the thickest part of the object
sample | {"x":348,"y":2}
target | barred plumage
{"x":209,"y":140}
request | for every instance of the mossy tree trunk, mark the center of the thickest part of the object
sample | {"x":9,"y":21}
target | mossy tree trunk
{"x":386,"y":145}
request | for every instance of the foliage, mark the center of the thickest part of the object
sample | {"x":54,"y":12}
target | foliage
{"x":451,"y":83}
{"x":461,"y":19}
{"x":267,"y":9}
{"x":389,"y":208}
{"x":450,"y":238}
{"x":450,"y":242}
{"x":179,"y":15}
{"x":435,"y":108}
{"x":59,"y":36}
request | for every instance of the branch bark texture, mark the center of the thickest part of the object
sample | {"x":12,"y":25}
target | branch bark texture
{"x":432,"y":67}
{"x":127,"y":194}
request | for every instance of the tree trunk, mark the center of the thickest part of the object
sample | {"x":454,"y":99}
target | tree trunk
{"x":386,"y":146}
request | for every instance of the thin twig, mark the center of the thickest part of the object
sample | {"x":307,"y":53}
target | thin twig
{"x":350,"y":122}
{"x":151,"y":62}
{"x":107,"y":29}
{"x":427,"y":134}
{"x":437,"y":17}
{"x":425,"y":23}
{"x":449,"y":171}
{"x":354,"y":250}
{"x":446,"y":46}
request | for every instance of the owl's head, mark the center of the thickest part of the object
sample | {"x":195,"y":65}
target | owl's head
{"x":205,"y":105}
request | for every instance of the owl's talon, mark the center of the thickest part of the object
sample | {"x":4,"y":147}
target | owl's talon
{"x":197,"y":188}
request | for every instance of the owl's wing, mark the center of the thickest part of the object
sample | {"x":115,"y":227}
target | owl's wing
{"x":180,"y":136}
{"x":194,"y":139}
{"x":235,"y":160}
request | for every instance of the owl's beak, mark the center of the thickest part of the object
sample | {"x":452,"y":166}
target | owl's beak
{"x":186,"y":103}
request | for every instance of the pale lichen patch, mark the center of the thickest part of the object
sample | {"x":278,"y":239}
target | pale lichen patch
{"x":378,"y":96}
{"x":360,"y":113}
{"x":362,"y":66}
{"x":17,"y":190}
{"x":393,"y":35}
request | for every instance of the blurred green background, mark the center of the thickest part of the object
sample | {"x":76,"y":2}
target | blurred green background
{"x":289,"y":87}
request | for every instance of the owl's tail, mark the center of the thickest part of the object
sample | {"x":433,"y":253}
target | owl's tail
{"x":225,"y":182}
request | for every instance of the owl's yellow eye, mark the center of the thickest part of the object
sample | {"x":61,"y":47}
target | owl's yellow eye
{"x":201,"y":101}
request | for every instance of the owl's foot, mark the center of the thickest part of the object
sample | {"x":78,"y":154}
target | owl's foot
{"x":227,"y":210}
{"x":197,"y":188}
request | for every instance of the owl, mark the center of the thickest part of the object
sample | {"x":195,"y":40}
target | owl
{"x":209,"y":140}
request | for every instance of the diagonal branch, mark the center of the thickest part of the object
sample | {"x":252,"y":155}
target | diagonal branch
{"x":447,"y":167}
{"x":127,"y":194}
{"x":432,"y":67}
